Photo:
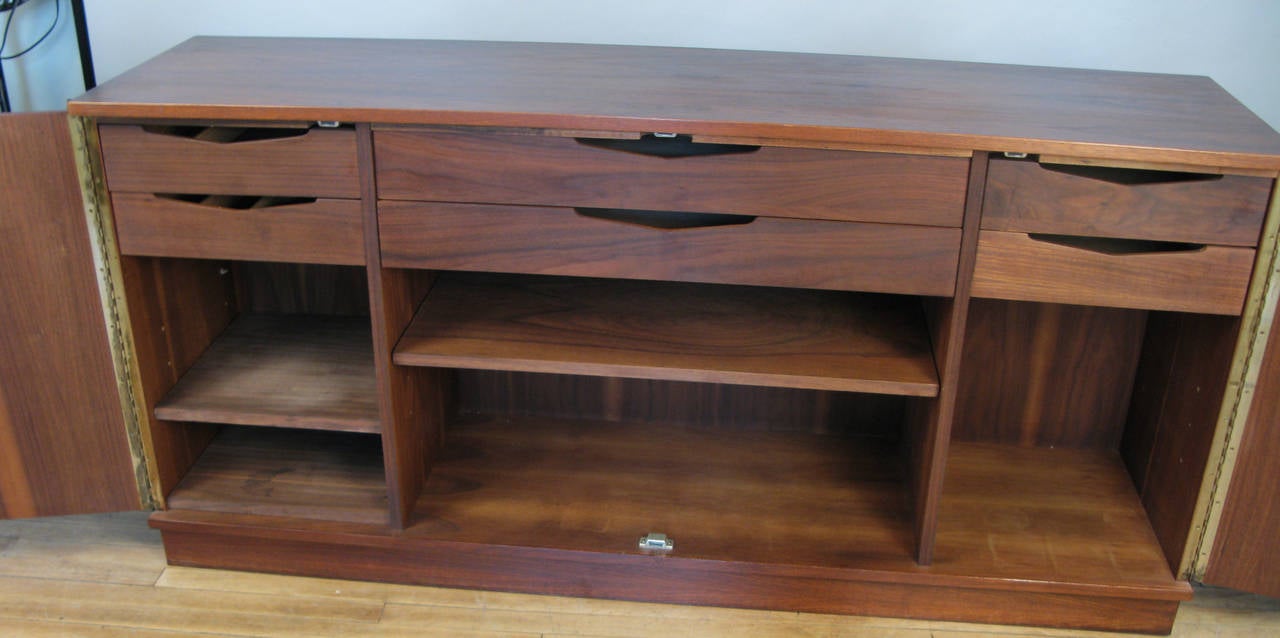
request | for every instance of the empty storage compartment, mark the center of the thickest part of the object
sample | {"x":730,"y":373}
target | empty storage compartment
{"x":1080,"y":437}
{"x":284,"y":348}
{"x":745,"y":424}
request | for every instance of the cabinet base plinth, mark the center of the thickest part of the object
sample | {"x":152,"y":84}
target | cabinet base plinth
{"x":196,"y":539}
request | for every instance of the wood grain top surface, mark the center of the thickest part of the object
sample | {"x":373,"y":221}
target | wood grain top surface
{"x":785,"y":96}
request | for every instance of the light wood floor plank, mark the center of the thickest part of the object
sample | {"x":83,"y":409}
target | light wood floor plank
{"x":18,"y":628}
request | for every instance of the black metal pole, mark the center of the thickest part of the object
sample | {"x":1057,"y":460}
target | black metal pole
{"x":4,"y":91}
{"x":82,"y":40}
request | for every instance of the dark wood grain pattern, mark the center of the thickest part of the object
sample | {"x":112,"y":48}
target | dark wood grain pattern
{"x":296,"y":473}
{"x":729,"y":407}
{"x":325,"y":231}
{"x":1245,"y":554}
{"x":825,"y":98}
{"x":930,"y":422}
{"x":294,"y":371}
{"x":198,"y":539}
{"x":1211,"y":279}
{"x":412,"y":402}
{"x":176,"y":309}
{"x":1018,"y":544}
{"x":778,"y":182}
{"x":767,"y":251}
{"x":1185,"y":366}
{"x":752,"y":336}
{"x":1047,"y":375}
{"x":321,"y":163}
{"x":1024,"y":196}
{"x":600,"y":487}
{"x":301,"y":289}
{"x":63,"y":448}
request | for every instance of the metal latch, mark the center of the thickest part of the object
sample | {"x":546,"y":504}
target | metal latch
{"x":1015,"y":155}
{"x":665,"y":136}
{"x":656,"y":543}
{"x":328,"y":123}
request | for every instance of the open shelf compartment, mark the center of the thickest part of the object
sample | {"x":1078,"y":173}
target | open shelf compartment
{"x":730,"y":495}
{"x":305,"y":474}
{"x":303,"y":371}
{"x":681,"y":332}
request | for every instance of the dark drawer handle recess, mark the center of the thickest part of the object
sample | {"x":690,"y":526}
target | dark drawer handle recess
{"x":227,"y":134}
{"x":1129,"y":176}
{"x":237,"y":202}
{"x":1113,"y":246}
{"x":667,"y":147}
{"x":665,"y":220}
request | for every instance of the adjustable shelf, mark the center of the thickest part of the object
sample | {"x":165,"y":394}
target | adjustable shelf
{"x":299,"y":371}
{"x":680,"y":332}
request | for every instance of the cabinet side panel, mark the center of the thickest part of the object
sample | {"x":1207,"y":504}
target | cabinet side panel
{"x":63,"y":448}
{"x":1172,"y":418}
{"x":1246,"y":552}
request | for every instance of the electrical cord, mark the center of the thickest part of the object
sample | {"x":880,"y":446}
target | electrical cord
{"x":57,"y":15}
{"x":9,"y":7}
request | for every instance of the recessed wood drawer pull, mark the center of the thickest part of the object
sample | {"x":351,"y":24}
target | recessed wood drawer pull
{"x":665,"y":220}
{"x":1129,"y":176}
{"x":667,"y":146}
{"x":237,"y":202}
{"x":1113,"y":246}
{"x":227,"y":134}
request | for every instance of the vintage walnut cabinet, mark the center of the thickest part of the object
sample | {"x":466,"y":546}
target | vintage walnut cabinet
{"x":785,"y":331}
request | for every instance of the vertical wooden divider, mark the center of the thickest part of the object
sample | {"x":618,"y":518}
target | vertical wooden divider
{"x":411,"y":401}
{"x":929,"y":420}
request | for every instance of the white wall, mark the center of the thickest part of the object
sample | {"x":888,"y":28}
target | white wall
{"x":43,"y":79}
{"x":1237,"y":42}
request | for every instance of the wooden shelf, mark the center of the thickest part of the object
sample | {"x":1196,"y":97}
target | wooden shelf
{"x":1055,"y":515}
{"x":721,"y":494}
{"x":681,"y":332}
{"x":298,"y":371}
{"x":328,"y":476}
{"x":1069,"y":519}
{"x":533,"y":504}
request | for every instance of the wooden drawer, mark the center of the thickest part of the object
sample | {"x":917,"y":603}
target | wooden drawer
{"x":499,"y":168}
{"x":764,"y":251}
{"x":1028,"y":197}
{"x":323,"y":231}
{"x":1206,"y":279}
{"x":230,"y":161}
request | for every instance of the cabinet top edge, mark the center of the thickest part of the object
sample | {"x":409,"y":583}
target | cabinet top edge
{"x":798,"y":96}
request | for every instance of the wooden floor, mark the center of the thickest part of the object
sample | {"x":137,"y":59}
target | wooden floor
{"x":105,"y":576}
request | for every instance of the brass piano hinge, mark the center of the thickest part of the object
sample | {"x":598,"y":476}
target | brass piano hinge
{"x":98,"y":215}
{"x":1259,"y":314}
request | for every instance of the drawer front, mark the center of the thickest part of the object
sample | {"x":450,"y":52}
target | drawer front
{"x":1208,"y":279}
{"x":323,"y":231}
{"x":764,"y":251}
{"x":1028,"y":197}
{"x":316,"y":163}
{"x":486,"y":167}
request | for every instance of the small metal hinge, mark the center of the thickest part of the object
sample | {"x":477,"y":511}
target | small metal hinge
{"x":1013,"y":155}
{"x":328,"y":123}
{"x":656,"y":543}
{"x":665,"y":136}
